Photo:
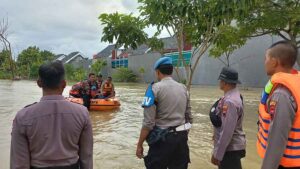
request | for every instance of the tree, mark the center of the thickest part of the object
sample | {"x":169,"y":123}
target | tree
{"x":127,"y":31}
{"x":4,"y":27}
{"x":228,"y":40}
{"x":98,"y":66}
{"x":69,"y":71}
{"x":274,"y":17}
{"x":195,"y":22}
{"x":79,"y":74}
{"x":47,"y":56}
{"x":30,"y":59}
{"x":27,"y":58}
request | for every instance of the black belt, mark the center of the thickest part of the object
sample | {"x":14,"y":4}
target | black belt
{"x":73,"y":166}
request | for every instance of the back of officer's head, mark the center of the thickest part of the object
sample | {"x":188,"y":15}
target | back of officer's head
{"x":166,"y":69}
{"x":285,"y":52}
{"x":52,"y":75}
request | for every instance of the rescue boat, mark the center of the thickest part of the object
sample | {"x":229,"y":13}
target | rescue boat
{"x":98,"y":104}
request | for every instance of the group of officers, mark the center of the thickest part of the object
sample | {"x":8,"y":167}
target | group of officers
{"x":93,"y":88}
{"x":57,"y":134}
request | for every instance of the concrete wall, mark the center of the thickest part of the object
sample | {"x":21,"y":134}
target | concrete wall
{"x":146,"y":61}
{"x":248,"y":61}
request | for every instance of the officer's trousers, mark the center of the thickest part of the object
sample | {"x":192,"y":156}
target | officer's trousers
{"x":232,"y":160}
{"x":171,"y":153}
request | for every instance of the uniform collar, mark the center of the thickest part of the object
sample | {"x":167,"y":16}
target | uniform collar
{"x":230,"y":92}
{"x":166,"y":78}
{"x":52,"y":97}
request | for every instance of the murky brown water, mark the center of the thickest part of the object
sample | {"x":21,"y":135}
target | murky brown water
{"x":116,"y":133}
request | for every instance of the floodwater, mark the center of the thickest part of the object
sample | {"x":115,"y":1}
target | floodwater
{"x":116,"y":133}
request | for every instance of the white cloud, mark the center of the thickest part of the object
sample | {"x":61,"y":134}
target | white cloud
{"x":62,"y":26}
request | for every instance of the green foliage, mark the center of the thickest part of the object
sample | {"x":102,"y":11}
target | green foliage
{"x":124,"y":75}
{"x":30,"y":59}
{"x":227,"y":41}
{"x":281,"y":18}
{"x":275,"y":17}
{"x":80,"y":74}
{"x":141,"y":70}
{"x":5,"y":67}
{"x":73,"y":74}
{"x":98,"y":66}
{"x":127,"y":30}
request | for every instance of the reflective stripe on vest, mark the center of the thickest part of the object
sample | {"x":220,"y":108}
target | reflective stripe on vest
{"x":291,"y":157}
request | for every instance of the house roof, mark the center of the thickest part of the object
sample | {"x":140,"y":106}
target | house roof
{"x":60,"y":56}
{"x":105,"y":52}
{"x":67,"y":58}
{"x":170,"y":43}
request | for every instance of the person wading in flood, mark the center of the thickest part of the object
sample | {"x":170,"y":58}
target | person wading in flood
{"x":279,"y":114}
{"x":167,"y":119}
{"x":53,"y":133}
{"x":227,"y":117}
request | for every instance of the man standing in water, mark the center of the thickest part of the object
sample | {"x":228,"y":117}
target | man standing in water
{"x":53,"y":133}
{"x":229,"y":137}
{"x":167,"y":119}
{"x":279,"y":113}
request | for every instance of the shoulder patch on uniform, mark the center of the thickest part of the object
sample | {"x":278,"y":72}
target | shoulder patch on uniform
{"x":30,"y":104}
{"x":224,"y":109}
{"x":272,"y":108}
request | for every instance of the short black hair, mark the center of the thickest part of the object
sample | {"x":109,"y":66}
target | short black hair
{"x":51,"y":74}
{"x":285,"y":51}
{"x":109,"y":77}
{"x":91,"y":74}
{"x":99,"y":75}
{"x":166,"y":69}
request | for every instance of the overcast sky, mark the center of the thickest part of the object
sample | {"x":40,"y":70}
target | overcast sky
{"x":61,"y":26}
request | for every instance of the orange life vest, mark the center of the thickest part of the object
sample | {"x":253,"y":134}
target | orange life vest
{"x":291,"y":156}
{"x":107,"y":88}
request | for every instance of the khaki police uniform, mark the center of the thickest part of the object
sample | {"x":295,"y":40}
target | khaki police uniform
{"x":229,"y":139}
{"x":52,"y":133}
{"x":171,"y":109}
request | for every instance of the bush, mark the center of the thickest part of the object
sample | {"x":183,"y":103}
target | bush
{"x":74,"y":74}
{"x":5,"y":75}
{"x":124,"y":75}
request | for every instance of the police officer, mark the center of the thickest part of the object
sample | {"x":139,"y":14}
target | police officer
{"x":229,"y":137}
{"x":167,"y":118}
{"x":53,"y":133}
{"x":279,"y":113}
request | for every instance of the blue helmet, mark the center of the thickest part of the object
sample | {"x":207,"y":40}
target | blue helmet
{"x":163,"y":61}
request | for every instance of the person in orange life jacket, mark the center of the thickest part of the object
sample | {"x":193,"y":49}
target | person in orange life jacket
{"x":279,"y":123}
{"x":76,"y":90}
{"x":229,"y":137}
{"x":108,"y":89}
{"x":89,"y":90}
{"x":99,"y":82}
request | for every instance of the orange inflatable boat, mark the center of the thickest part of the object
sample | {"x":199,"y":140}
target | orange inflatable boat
{"x":98,"y":104}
